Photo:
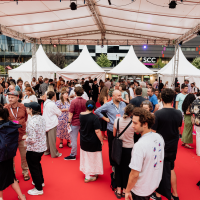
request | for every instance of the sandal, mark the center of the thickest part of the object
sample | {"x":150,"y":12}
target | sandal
{"x":89,"y":180}
{"x":69,"y":144}
{"x":26,"y":177}
{"x":23,"y":195}
{"x":183,"y":144}
{"x":188,"y":146}
{"x":61,"y":145}
{"x":119,"y":196}
{"x":123,"y":194}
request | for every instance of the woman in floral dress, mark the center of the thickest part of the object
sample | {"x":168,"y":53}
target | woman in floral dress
{"x":62,"y":132}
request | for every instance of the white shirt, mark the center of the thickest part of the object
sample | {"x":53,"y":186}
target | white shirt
{"x":84,"y":96}
{"x":147,"y":158}
{"x":32,"y":98}
{"x":131,"y":92}
{"x":50,"y":114}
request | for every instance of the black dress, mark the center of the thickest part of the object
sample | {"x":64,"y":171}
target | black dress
{"x":103,"y":122}
{"x":7,"y":175}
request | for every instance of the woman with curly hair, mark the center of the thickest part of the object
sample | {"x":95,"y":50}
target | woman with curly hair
{"x":187,"y":137}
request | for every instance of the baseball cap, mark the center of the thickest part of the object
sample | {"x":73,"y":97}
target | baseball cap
{"x":34,"y":105}
{"x":15,"y":93}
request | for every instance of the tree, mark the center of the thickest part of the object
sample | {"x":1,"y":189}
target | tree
{"x":57,"y":58}
{"x":159,"y":64}
{"x":2,"y":69}
{"x":103,"y":61}
{"x":196,"y":62}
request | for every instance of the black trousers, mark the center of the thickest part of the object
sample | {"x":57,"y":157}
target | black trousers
{"x":33,"y":160}
{"x":110,"y":139}
{"x":122,"y":171}
{"x":136,"y":197}
{"x":95,"y":97}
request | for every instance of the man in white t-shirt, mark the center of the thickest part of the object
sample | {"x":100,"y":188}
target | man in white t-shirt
{"x":72,"y":93}
{"x":147,"y":158}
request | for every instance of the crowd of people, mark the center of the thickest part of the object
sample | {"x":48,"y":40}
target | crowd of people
{"x":146,"y":118}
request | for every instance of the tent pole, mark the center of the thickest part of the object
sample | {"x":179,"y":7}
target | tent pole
{"x":175,"y":68}
{"x":34,"y":60}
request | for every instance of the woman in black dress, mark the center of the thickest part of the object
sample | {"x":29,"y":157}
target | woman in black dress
{"x":91,"y":141}
{"x":7,"y":175}
{"x":103,"y":98}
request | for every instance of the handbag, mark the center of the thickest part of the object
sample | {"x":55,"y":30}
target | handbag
{"x":117,"y":144}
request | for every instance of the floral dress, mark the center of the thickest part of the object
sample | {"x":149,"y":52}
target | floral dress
{"x":62,"y":131}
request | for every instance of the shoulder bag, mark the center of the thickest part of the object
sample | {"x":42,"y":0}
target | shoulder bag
{"x":117,"y":144}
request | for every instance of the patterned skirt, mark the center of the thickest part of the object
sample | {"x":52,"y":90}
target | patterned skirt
{"x":91,"y":163}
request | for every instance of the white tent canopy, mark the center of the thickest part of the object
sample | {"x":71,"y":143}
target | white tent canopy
{"x":119,"y":22}
{"x":83,"y":67}
{"x":185,"y":70}
{"x":45,"y":67}
{"x":130,"y":65}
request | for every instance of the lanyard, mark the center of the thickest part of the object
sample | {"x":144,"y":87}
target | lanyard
{"x":13,"y":113}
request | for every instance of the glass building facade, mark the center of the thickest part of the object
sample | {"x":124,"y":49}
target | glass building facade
{"x":14,"y":52}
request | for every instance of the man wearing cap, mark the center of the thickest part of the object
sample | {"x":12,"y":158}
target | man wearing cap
{"x":18,"y":114}
{"x":36,"y":146}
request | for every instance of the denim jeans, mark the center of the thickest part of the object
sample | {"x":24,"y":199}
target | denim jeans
{"x":73,"y":137}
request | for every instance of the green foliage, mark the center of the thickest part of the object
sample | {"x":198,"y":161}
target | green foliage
{"x":2,"y":69}
{"x":57,"y":58}
{"x":196,"y":62}
{"x":159,"y":64}
{"x":103,"y":61}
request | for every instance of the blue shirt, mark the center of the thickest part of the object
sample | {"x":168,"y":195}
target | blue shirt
{"x":111,"y":111}
{"x":153,"y":99}
{"x":17,"y":88}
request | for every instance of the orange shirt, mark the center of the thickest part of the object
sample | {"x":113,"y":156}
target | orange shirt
{"x":58,"y":84}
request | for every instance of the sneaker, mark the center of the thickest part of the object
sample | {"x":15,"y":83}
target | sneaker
{"x":70,"y":158}
{"x":34,"y":191}
{"x":175,"y":198}
{"x":90,"y":180}
{"x":153,"y":196}
{"x":59,"y":155}
{"x":42,"y":184}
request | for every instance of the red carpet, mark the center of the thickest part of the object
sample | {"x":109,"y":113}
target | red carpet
{"x":63,"y":180}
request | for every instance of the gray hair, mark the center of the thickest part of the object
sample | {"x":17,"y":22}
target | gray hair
{"x":143,"y":84}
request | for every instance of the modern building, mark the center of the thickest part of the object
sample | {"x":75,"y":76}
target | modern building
{"x":14,"y":52}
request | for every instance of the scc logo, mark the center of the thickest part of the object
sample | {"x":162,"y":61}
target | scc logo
{"x":149,"y":60}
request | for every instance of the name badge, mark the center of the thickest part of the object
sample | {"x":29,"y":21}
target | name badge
{"x":16,"y":122}
{"x":118,"y":116}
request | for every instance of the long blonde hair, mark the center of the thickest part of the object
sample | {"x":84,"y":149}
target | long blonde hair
{"x":50,"y":88}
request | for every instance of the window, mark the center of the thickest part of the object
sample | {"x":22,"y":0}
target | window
{"x":183,"y":49}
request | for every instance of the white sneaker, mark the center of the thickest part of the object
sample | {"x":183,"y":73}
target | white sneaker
{"x":34,"y":184}
{"x":34,"y":191}
{"x":59,"y":155}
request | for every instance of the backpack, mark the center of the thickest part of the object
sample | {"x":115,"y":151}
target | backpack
{"x":8,"y":140}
